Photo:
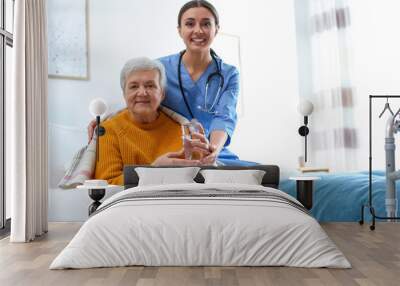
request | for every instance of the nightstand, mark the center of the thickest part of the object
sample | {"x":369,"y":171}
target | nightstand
{"x":304,"y":189}
{"x":96,"y":193}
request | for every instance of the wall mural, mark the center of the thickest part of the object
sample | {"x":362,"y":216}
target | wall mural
{"x":133,"y":136}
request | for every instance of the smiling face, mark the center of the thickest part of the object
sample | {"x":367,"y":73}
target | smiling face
{"x":197,"y":29}
{"x":143,"y":93}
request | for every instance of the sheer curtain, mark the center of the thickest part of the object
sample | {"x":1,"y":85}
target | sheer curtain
{"x":333,"y":140}
{"x":27,"y":123}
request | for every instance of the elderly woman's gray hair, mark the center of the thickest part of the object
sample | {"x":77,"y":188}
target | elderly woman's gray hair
{"x":141,"y":64}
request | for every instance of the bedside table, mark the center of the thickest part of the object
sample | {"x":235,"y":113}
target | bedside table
{"x":304,"y":189}
{"x":96,"y":193}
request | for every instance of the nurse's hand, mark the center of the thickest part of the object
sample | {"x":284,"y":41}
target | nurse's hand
{"x":174,"y":158}
{"x":212,"y":157}
{"x":198,"y":144}
{"x":217,"y":141}
{"x":209,"y":152}
{"x":90,"y":129}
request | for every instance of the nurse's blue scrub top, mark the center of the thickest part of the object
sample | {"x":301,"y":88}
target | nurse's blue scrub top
{"x":225,"y":116}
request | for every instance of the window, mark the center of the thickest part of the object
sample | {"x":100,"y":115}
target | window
{"x":6,"y":43}
{"x":9,"y":19}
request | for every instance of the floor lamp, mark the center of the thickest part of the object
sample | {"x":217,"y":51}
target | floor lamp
{"x":305,"y":108}
{"x":97,"y":108}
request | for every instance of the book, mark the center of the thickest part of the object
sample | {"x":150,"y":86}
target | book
{"x":313,"y":169}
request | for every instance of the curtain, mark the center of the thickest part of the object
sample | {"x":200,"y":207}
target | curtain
{"x":27,"y":123}
{"x":333,"y":137}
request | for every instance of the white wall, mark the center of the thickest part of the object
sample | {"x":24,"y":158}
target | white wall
{"x":376,"y":69}
{"x":304,"y":72}
{"x":267,"y":130}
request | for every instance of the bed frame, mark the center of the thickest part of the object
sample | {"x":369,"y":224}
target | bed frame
{"x":270,"y":179}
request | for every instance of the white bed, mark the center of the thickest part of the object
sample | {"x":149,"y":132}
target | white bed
{"x":221,"y":225}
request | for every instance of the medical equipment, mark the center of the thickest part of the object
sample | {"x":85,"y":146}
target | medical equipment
{"x":217,"y":74}
{"x":392,"y":127}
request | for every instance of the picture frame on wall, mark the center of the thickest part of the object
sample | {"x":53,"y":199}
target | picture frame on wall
{"x":68,"y":49}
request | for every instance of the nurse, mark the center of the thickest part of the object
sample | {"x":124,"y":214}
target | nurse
{"x":199,"y":84}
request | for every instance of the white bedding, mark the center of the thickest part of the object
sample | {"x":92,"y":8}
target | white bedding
{"x":182,"y":231}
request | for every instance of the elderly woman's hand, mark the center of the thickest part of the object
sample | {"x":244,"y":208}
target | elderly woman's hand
{"x":174,"y":158}
{"x":90,"y":129}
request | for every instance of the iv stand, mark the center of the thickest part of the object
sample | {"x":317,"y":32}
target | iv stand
{"x":369,"y":205}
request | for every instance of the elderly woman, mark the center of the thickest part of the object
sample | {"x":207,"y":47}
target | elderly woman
{"x":142,"y":134}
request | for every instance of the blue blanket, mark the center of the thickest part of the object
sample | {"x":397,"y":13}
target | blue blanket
{"x":338,"y":197}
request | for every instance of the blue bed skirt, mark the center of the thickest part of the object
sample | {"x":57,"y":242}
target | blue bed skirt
{"x":338,"y":197}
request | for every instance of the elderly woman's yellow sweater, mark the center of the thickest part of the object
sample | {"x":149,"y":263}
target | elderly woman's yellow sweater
{"x":128,"y":142}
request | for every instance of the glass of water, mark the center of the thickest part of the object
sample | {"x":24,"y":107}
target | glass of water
{"x":187,"y":130}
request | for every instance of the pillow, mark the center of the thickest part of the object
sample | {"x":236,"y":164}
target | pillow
{"x":163,"y":176}
{"x":248,"y":177}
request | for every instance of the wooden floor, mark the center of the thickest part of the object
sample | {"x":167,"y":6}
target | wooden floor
{"x":374,"y":255}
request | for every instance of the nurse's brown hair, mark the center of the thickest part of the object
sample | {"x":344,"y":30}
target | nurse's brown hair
{"x":196,"y":4}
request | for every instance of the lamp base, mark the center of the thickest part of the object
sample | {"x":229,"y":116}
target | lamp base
{"x":96,"y":195}
{"x":102,"y":130}
{"x":303,"y":130}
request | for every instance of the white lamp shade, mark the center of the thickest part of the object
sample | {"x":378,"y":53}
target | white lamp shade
{"x":97,"y":107}
{"x":305,"y":107}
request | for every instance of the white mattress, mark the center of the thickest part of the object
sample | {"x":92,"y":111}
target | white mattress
{"x":183,"y":231}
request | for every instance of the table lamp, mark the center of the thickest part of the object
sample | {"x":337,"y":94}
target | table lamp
{"x":305,"y":108}
{"x":97,"y":108}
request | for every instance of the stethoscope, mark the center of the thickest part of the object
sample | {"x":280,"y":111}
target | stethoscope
{"x":217,"y":73}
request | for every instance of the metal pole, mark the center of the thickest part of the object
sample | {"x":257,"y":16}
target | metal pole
{"x":98,"y":137}
{"x":370,"y":152}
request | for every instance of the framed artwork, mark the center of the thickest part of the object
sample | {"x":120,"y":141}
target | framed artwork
{"x":68,"y":39}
